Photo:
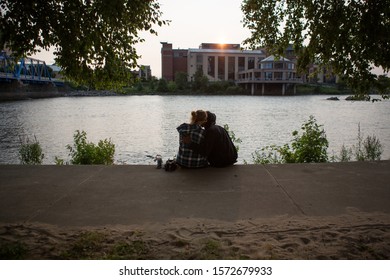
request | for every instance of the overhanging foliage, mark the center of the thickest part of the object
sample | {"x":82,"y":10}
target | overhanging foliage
{"x":94,"y":39}
{"x":350,"y":36}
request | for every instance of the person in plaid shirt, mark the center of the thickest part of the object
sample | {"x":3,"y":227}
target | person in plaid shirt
{"x":187,"y":157}
{"x":217,"y":146}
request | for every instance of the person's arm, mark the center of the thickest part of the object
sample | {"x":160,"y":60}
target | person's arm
{"x":188,"y":141}
{"x":206,"y":145}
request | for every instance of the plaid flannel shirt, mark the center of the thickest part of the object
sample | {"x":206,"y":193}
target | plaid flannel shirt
{"x":187,"y":157}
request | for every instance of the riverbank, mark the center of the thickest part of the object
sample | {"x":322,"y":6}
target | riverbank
{"x":19,"y":91}
{"x":23,"y":92}
{"x":292,"y":211}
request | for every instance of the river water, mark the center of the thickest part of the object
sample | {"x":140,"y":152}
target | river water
{"x":143,"y":126}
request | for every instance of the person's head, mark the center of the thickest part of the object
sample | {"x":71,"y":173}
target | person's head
{"x":211,"y":119}
{"x":198,"y":117}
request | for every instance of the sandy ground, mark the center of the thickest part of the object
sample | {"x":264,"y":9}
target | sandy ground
{"x":355,"y":235}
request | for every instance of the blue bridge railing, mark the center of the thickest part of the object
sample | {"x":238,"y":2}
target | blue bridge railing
{"x":25,"y":69}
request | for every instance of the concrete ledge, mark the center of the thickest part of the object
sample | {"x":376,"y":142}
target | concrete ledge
{"x":129,"y":195}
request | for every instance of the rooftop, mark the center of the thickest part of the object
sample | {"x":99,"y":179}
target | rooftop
{"x":258,"y":52}
{"x":273,"y":58}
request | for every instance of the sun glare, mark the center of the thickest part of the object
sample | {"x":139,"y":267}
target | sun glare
{"x":221,"y":40}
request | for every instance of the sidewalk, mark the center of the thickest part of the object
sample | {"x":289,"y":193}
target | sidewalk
{"x":125,"y":195}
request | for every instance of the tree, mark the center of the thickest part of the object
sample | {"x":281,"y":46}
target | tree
{"x":162,"y":85}
{"x":200,"y":81}
{"x":94,"y":39}
{"x":351,"y":36}
{"x":181,"y":80}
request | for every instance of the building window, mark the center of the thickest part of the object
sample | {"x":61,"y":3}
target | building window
{"x":278,"y":65}
{"x":211,"y":66}
{"x":290,"y":66}
{"x":267,"y":65}
{"x":231,"y":68}
{"x":241,"y":64}
{"x":199,"y":61}
{"x":221,"y":67}
{"x":251,"y":63}
{"x":268,"y":75}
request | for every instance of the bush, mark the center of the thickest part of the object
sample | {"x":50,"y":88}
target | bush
{"x":162,"y":86}
{"x":311,"y":146}
{"x":13,"y":250}
{"x":367,"y":149}
{"x":30,"y":153}
{"x":234,"y":90}
{"x":373,"y":148}
{"x":181,"y":80}
{"x":267,"y":155}
{"x":345,"y":154}
{"x":83,"y":152}
{"x":172,"y":87}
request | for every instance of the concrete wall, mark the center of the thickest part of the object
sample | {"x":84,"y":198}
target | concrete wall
{"x":16,"y":90}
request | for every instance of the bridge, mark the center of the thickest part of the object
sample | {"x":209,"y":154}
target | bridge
{"x":26,"y":70}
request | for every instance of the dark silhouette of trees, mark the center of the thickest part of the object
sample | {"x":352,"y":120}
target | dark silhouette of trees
{"x":94,"y":39}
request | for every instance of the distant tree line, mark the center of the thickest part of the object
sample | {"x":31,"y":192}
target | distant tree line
{"x":200,"y":84}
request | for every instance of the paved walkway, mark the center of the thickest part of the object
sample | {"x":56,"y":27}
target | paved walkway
{"x":124,"y":195}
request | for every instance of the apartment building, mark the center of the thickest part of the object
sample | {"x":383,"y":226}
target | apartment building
{"x":218,"y":62}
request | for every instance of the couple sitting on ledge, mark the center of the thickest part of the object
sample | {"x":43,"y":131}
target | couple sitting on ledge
{"x":203,"y":143}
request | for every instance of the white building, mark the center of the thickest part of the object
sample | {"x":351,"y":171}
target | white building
{"x":222,"y":62}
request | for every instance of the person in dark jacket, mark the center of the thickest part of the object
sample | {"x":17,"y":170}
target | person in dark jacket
{"x":217,"y":145}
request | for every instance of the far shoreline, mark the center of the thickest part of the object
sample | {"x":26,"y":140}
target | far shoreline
{"x":32,"y":92}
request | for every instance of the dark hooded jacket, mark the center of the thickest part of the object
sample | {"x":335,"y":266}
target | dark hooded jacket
{"x":217,"y":145}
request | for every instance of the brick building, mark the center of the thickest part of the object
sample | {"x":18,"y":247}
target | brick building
{"x":172,"y":61}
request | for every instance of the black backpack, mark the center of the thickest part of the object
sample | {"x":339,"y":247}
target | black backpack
{"x":170,"y":165}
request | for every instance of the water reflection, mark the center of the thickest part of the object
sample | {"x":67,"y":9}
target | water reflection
{"x":146,"y":125}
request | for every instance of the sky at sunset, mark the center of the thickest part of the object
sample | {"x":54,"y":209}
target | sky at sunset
{"x":193,"y":23}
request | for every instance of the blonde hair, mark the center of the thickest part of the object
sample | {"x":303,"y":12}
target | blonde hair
{"x":198,"y":117}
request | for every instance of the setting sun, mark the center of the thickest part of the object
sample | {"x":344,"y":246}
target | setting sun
{"x":221,"y":40}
